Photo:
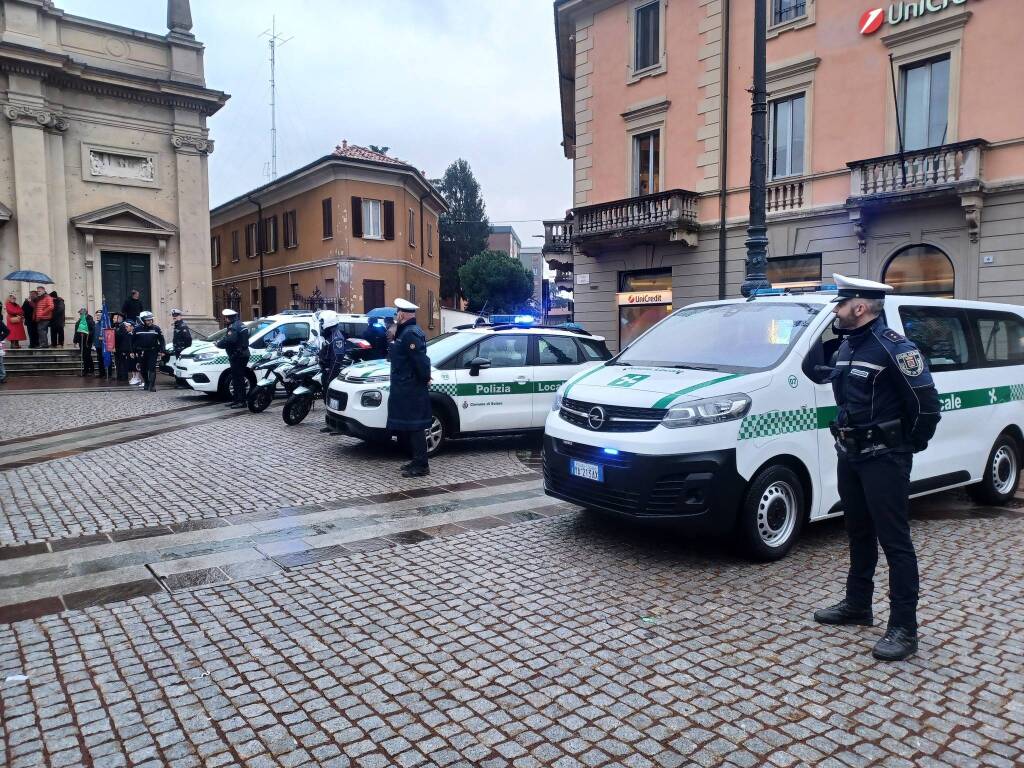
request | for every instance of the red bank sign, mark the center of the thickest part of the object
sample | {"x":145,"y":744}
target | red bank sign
{"x":897,"y":13}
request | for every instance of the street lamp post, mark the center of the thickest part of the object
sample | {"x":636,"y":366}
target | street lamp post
{"x":757,"y":231}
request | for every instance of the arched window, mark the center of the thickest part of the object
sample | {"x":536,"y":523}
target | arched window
{"x":920,"y":270}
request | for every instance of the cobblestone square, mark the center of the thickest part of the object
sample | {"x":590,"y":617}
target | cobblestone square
{"x":531,"y":635}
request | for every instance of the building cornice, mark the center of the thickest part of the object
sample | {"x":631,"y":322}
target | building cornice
{"x":927,"y":29}
{"x":63,"y":71}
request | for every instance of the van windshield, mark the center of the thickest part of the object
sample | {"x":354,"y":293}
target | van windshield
{"x":735,"y":338}
{"x":254,"y":326}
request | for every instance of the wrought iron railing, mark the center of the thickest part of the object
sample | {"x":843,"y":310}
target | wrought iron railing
{"x":316,"y":301}
{"x":920,"y":170}
{"x":673,"y":209}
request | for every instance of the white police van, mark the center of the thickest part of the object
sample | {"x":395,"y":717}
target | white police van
{"x":486,"y":380}
{"x":717,"y":417}
{"x":204,"y":366}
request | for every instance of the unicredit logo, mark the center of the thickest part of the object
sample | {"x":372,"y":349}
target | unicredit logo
{"x":871,"y":21}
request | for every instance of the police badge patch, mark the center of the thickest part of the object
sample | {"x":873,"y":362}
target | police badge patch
{"x":911,"y":363}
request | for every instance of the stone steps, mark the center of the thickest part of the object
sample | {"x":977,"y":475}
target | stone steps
{"x":52,"y":361}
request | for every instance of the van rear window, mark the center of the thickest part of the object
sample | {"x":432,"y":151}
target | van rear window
{"x":1000,"y":336}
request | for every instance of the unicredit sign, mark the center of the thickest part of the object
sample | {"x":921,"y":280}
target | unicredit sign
{"x":897,"y":13}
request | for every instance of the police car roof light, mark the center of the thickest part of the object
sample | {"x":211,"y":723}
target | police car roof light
{"x":524,"y":320}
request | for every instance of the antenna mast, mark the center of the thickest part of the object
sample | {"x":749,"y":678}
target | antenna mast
{"x":276,"y":41}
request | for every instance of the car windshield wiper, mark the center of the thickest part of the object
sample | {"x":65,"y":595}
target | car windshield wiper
{"x":694,"y":367}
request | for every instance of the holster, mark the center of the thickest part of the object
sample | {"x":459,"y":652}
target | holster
{"x":888,"y":434}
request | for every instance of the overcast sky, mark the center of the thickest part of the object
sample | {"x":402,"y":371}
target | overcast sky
{"x":433,"y":79}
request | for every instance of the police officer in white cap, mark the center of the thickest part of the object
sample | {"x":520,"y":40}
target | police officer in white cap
{"x":409,"y":411}
{"x":887,"y":410}
{"x":236,"y":344}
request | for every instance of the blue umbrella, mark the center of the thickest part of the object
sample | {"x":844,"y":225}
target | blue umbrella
{"x":29,"y":276}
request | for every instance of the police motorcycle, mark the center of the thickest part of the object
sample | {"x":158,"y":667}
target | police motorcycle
{"x":272,"y":368}
{"x":306,"y":376}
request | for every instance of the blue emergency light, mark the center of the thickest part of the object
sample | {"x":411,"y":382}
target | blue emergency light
{"x":612,"y":451}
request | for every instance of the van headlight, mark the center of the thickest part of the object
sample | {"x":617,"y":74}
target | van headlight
{"x":206,"y":356}
{"x":711,"y":410}
{"x":371,"y":399}
{"x":556,"y":401}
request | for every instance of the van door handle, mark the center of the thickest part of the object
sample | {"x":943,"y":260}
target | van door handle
{"x":521,"y":379}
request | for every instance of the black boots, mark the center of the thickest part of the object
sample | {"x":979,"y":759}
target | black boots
{"x":414,"y":470}
{"x":896,"y":644}
{"x":843,"y":613}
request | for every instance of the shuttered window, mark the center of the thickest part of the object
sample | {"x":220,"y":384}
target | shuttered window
{"x":412,"y":227}
{"x":250,"y":240}
{"x":291,"y":233}
{"x":234,"y":245}
{"x":328,"y":216}
{"x":215,"y":251}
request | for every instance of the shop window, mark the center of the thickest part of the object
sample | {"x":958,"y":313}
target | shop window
{"x":924,"y":104}
{"x":645,"y":299}
{"x":795,"y":271}
{"x":646,"y":163}
{"x":921,"y":270}
{"x":787,"y":136}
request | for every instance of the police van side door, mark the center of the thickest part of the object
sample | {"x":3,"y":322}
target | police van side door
{"x":817,"y":366}
{"x":500,"y":396}
{"x":962,"y":441}
{"x":557,"y":358}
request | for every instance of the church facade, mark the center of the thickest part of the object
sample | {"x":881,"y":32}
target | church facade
{"x":103,"y":159}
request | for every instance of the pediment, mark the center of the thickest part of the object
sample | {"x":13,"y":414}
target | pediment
{"x":123,"y":217}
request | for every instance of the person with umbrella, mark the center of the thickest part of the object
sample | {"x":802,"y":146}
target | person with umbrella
{"x":32,"y":314}
{"x":15,"y":321}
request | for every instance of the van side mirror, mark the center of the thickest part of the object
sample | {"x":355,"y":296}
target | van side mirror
{"x":477,"y":364}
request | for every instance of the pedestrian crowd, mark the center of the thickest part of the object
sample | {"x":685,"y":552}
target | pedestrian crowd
{"x":128,"y":348}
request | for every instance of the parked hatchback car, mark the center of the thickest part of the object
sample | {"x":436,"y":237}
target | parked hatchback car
{"x":486,"y":380}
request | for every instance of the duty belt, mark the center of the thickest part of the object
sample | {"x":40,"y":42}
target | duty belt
{"x":860,"y":440}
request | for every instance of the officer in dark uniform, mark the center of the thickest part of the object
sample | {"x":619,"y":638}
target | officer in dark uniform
{"x":236,"y":344}
{"x":181,"y":339}
{"x":887,"y":411}
{"x":409,"y":412}
{"x":149,"y":340}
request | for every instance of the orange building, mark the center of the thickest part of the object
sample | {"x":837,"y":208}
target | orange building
{"x":351,"y":231}
{"x":656,"y":119}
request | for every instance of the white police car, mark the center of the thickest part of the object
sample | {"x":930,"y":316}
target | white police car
{"x":717,"y":417}
{"x":485,"y":380}
{"x":204,"y":366}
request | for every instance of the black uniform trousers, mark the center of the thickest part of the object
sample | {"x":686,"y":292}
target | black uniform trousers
{"x":874,"y":492}
{"x":123,"y":364}
{"x":417,"y":441}
{"x":148,"y":367}
{"x":86,"y":349}
{"x":239,"y":382}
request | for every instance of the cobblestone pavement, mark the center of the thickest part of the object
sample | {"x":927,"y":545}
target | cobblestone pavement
{"x":33,"y":414}
{"x":558,"y":642}
{"x":244,"y":464}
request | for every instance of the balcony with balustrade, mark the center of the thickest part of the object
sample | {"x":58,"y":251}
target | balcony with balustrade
{"x":661,"y":217}
{"x":949,"y":170}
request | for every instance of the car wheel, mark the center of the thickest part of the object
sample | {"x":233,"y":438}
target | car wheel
{"x":772,"y":513}
{"x":259,"y":399}
{"x":296,"y":409}
{"x":437,"y":433}
{"x":1001,"y":476}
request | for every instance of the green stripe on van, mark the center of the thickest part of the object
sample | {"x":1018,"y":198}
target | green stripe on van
{"x":664,"y":402}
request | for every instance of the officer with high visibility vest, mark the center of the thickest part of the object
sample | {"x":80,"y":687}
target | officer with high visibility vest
{"x":888,"y":410}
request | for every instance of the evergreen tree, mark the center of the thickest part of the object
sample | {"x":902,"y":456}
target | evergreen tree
{"x":495,"y":279}
{"x":464,"y":229}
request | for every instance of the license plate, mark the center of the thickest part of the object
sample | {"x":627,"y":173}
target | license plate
{"x":335,"y":404}
{"x":586,"y":470}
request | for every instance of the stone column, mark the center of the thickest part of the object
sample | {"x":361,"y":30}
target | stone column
{"x":57,"y":188}
{"x":195,"y":290}
{"x":31,"y":184}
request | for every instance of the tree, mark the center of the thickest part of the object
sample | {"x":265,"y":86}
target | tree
{"x":495,"y":279}
{"x":464,"y":229}
{"x":382,"y":150}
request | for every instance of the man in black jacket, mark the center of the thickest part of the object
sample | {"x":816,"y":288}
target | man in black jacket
{"x":236,"y":344}
{"x":150,"y":340}
{"x":57,"y":320}
{"x":122,"y":347}
{"x":132,"y":307}
{"x":29,"y":308}
{"x":409,"y":409}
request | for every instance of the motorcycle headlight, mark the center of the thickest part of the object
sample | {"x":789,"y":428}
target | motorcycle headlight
{"x":206,"y":356}
{"x":371,"y":399}
{"x":711,"y":410}
{"x":556,"y":401}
